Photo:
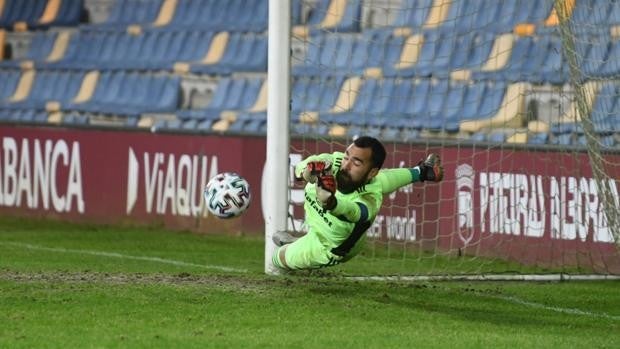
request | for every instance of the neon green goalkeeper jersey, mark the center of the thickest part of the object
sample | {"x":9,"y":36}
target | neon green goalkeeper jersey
{"x":343,"y":228}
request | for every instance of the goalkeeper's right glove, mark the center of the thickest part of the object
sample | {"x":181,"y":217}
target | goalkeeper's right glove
{"x":431,"y":169}
{"x":315,"y":169}
{"x":326,"y":191}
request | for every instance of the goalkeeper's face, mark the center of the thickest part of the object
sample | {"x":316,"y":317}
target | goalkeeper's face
{"x":356,"y":169}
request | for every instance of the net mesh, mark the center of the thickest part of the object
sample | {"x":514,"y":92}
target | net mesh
{"x":520,"y":100}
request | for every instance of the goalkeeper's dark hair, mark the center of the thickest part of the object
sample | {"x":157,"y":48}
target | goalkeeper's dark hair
{"x":378,"y":150}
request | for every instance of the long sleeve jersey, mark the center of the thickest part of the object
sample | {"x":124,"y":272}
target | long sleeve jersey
{"x":343,"y":227}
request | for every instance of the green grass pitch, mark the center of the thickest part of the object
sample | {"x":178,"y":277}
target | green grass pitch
{"x":82,"y":286}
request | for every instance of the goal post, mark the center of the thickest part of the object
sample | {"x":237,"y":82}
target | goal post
{"x":519,"y":98}
{"x":276,"y":175}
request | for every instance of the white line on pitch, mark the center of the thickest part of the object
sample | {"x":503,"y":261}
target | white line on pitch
{"x":553,"y":308}
{"x":124,"y":256}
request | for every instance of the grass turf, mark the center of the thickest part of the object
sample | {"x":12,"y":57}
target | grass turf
{"x":82,"y":286}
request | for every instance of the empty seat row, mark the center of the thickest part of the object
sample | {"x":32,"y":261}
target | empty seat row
{"x":203,"y":51}
{"x":429,"y":104}
{"x":419,"y":104}
{"x":214,"y":15}
{"x":238,"y":94}
{"x":40,"y":13}
{"x":502,"y":16}
{"x":414,"y":104}
{"x":113,"y":92}
{"x":536,"y":59}
{"x":344,"y":16}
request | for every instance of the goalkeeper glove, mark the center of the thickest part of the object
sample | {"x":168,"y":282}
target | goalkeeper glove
{"x":431,"y":169}
{"x":315,"y":169}
{"x":325,"y":191}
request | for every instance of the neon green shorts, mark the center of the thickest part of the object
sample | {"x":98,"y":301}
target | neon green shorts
{"x":306,"y":252}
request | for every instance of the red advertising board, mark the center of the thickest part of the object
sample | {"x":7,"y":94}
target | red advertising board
{"x":115,"y":177}
{"x":531,"y":206}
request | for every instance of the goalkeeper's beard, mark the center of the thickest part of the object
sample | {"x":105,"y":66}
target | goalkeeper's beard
{"x":346,"y":184}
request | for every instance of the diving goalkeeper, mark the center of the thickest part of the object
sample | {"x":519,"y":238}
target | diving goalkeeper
{"x":343,"y":194}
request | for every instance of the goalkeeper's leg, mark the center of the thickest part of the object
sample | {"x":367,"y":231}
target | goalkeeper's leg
{"x":306,"y":252}
{"x":281,"y":238}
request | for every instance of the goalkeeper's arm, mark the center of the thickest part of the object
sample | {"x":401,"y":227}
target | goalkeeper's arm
{"x":360,"y":210}
{"x":428,"y":170}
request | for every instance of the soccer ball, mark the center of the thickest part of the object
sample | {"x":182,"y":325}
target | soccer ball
{"x":227,"y":195}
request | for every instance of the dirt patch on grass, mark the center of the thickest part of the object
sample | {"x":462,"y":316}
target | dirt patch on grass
{"x":220,"y":281}
{"x":249,"y":283}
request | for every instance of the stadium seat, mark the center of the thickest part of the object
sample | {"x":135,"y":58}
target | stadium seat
{"x":539,"y":138}
{"x":316,"y":94}
{"x":10,"y":79}
{"x":231,"y":95}
{"x":16,"y":11}
{"x":332,"y":15}
{"x":51,"y":86}
{"x":350,"y":53}
{"x":305,"y":129}
{"x":233,"y":15}
{"x":126,"y":12}
{"x":244,"y":52}
{"x":413,"y":13}
{"x":590,"y":13}
{"x":131,"y":93}
{"x":249,"y":123}
{"x":41,"y":46}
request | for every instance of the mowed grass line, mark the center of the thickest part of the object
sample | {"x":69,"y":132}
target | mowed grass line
{"x":51,"y":300}
{"x":38,"y":245}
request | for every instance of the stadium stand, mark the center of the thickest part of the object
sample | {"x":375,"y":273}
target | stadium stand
{"x":464,"y":69}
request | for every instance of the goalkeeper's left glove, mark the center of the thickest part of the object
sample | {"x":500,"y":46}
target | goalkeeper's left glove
{"x":431,"y":169}
{"x":325,"y":191}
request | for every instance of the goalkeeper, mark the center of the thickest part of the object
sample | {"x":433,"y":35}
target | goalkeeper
{"x":343,"y":195}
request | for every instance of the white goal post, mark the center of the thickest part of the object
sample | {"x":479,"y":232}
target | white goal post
{"x":276,"y":171}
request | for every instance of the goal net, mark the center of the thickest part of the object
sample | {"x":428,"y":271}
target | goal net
{"x":519,"y":98}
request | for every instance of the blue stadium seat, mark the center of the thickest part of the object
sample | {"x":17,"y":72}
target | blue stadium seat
{"x":611,"y":66}
{"x":497,"y":137}
{"x":21,"y":11}
{"x":450,"y":109}
{"x":534,"y":59}
{"x":245,"y":52}
{"x":249,"y":123}
{"x":69,"y":14}
{"x":539,"y":138}
{"x":232,"y":15}
{"x":235,"y":94}
{"x":604,"y":107}
{"x":372,"y":102}
{"x":321,"y":56}
{"x":93,"y":48}
{"x":413,"y":13}
{"x":127,"y":12}
{"x":494,"y":16}
{"x":39,"y":49}
{"x":309,"y":129}
{"x":10,"y":79}
{"x":51,"y":85}
{"x":590,"y":13}
{"x":316,"y":93}
{"x":596,"y":54}
{"x":437,"y":98}
{"x":479,"y":137}
{"x":351,"y":18}
{"x":132,"y":93}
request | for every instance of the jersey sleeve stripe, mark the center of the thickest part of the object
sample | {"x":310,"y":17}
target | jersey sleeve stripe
{"x":363,"y":212}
